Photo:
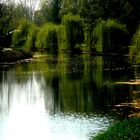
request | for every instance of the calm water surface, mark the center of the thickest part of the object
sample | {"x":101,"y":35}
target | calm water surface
{"x":62,"y":96}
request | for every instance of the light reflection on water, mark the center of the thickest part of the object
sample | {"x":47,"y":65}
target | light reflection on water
{"x":26,"y":114}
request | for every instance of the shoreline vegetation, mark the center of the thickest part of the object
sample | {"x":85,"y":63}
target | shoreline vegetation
{"x":122,"y":130}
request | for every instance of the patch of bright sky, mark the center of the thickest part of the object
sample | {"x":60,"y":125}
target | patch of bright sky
{"x":33,"y":3}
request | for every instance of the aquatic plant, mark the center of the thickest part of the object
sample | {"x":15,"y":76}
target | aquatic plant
{"x":109,"y":35}
{"x":74,"y":31}
{"x":124,"y":130}
{"x":47,"y":37}
{"x":24,"y":36}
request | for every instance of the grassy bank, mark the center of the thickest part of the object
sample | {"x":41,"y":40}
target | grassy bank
{"x":124,"y":130}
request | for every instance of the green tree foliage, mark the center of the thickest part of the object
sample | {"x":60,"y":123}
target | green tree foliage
{"x":109,"y":36}
{"x":50,"y":10}
{"x":74,"y":30}
{"x":135,"y":47}
{"x":90,"y":10}
{"x":10,"y":14}
{"x":24,"y":36}
{"x":47,"y":37}
{"x":7,"y":23}
{"x":69,"y":7}
{"x":38,"y":18}
{"x":125,"y":11}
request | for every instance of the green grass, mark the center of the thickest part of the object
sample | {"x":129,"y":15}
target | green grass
{"x":123,"y":130}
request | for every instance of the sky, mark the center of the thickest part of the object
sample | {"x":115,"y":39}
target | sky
{"x":34,"y":3}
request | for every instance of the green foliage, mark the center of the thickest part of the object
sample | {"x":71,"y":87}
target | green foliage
{"x":74,"y":30}
{"x":47,"y":37}
{"x":50,"y":10}
{"x":24,"y":36}
{"x":109,"y":36}
{"x":69,"y":7}
{"x":62,"y":37}
{"x":125,"y":130}
{"x":7,"y":23}
{"x":90,"y":10}
{"x":135,"y":48}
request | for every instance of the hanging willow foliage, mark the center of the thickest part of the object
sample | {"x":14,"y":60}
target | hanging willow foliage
{"x":62,"y":37}
{"x":109,"y":36}
{"x":74,"y":31}
{"x":24,"y":36}
{"x":47,"y":37}
{"x":135,"y":47}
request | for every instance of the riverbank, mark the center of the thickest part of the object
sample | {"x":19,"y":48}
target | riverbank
{"x":123,"y":130}
{"x":10,"y":55}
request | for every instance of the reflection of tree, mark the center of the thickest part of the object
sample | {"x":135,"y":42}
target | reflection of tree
{"x":74,"y":67}
{"x":87,"y":88}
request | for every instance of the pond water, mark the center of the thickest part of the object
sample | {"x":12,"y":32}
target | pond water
{"x":62,"y":96}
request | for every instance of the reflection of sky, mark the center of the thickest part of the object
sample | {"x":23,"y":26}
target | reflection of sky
{"x":29,"y":119}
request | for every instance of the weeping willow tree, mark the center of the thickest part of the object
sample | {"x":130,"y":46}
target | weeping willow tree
{"x":74,"y":31}
{"x":47,"y":37}
{"x":109,"y":36}
{"x":135,"y":47}
{"x":62,"y":38}
{"x":24,"y":36}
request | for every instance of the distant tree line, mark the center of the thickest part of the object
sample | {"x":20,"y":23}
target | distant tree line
{"x":88,"y":25}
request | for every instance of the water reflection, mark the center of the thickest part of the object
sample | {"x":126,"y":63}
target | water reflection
{"x":61,"y":97}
